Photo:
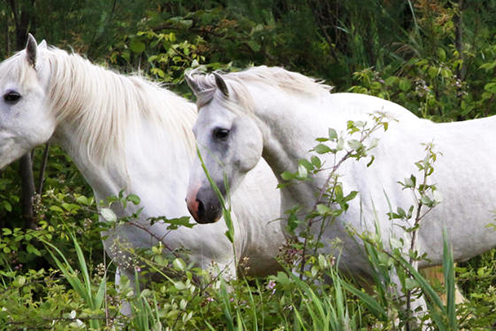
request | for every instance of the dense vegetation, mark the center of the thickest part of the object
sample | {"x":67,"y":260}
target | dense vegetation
{"x":436,"y":58}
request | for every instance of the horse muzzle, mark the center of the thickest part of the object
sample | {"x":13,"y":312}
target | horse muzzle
{"x":204,"y":206}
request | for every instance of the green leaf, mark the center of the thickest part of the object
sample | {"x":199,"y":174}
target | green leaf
{"x":391,"y":80}
{"x":302,"y":172}
{"x":134,"y":199}
{"x":405,"y":85}
{"x":323,"y":209}
{"x":355,"y":144}
{"x":410,"y":182}
{"x":401,"y":212}
{"x":288,"y":175}
{"x":83,"y":200}
{"x":7,"y":206}
{"x":283,"y":279}
{"x":332,"y":134}
{"x":108,"y":215}
{"x":179,"y":264}
{"x":488,"y":66}
{"x":137,"y":46}
{"x":446,"y":73}
{"x":19,"y":281}
{"x":173,"y":223}
{"x":316,"y":162}
{"x":322,"y":149}
{"x":426,"y":200}
{"x":309,"y":166}
{"x":126,"y":55}
{"x":145,"y":293}
{"x":254,"y":45}
{"x":433,"y":71}
{"x":293,"y":223}
{"x":360,"y":124}
{"x":441,"y":53}
{"x":56,"y":209}
{"x":32,"y":250}
{"x":338,"y":192}
{"x":351,"y":196}
{"x":490,"y":87}
{"x":180,"y":286}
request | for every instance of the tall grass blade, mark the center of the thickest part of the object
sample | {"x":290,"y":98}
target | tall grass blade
{"x":375,"y":308}
{"x":226,"y":212}
{"x":253,"y":307}
{"x":299,"y":318}
{"x":449,"y":282}
{"x":227,"y":307}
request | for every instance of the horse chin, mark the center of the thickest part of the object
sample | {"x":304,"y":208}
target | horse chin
{"x":9,"y":153}
{"x":208,"y":214}
{"x":208,"y":220}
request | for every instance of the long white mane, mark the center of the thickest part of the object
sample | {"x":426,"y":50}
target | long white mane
{"x":102,"y":106}
{"x":286,"y":81}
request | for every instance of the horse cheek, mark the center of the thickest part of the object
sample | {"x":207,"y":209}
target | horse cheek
{"x":252,"y":154}
{"x":42,"y":129}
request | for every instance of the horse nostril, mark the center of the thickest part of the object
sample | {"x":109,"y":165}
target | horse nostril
{"x":201,"y":209}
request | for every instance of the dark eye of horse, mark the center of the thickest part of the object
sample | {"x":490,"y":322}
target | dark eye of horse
{"x":11,"y":97}
{"x":220,"y":133}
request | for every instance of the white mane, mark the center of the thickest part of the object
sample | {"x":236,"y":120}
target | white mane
{"x":102,"y":106}
{"x":286,"y":81}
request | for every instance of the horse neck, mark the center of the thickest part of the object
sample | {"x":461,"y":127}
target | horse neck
{"x":118,"y":143}
{"x":290,"y":125}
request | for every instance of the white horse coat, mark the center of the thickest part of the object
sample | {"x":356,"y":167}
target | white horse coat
{"x":125,"y":133}
{"x":277,"y":115}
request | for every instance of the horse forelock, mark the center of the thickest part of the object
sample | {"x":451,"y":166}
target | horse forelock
{"x":101,"y":107}
{"x":207,"y":90}
{"x":239,"y":96}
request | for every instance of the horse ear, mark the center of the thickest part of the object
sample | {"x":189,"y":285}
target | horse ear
{"x":221,"y":84}
{"x":192,"y":83}
{"x":43,"y":44}
{"x":31,"y":50}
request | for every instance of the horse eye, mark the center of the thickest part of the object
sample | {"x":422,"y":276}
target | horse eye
{"x":11,"y":97}
{"x":220,"y":133}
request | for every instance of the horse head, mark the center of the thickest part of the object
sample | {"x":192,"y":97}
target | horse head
{"x":25,"y":120}
{"x":229,"y":145}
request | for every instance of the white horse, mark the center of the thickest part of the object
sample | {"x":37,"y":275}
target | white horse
{"x":125,"y":133}
{"x":277,"y":115}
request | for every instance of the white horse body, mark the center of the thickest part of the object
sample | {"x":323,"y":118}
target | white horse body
{"x":125,"y":133}
{"x":465,"y":173}
{"x":276,"y":114}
